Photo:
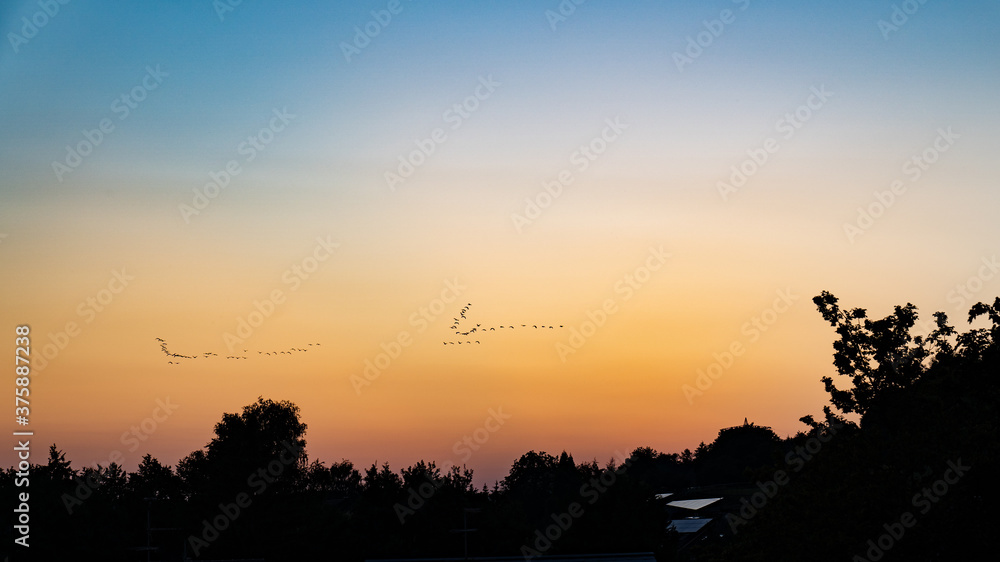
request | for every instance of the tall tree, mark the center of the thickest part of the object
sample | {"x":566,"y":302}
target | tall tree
{"x":261,"y":449}
{"x":879,"y":356}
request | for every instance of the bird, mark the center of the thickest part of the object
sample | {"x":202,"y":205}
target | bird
{"x":494,"y":329}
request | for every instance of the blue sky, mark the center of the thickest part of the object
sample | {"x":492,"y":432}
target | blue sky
{"x":222,"y":80}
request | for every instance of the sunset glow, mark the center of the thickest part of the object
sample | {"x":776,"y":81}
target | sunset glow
{"x":261,"y":180}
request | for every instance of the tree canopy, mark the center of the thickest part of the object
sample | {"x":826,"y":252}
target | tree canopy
{"x":924,"y":404}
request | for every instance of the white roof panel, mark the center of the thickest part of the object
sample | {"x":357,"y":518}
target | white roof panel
{"x":693,"y":504}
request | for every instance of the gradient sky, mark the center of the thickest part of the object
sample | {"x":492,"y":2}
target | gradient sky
{"x":322,"y":176}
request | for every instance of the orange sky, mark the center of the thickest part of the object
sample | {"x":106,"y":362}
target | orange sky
{"x":597,"y":103}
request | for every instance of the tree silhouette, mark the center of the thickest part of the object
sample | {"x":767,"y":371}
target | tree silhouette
{"x":928,"y":404}
{"x":737,"y":453}
{"x":154,"y":480}
{"x":925,"y":402}
{"x":266,"y":436}
{"x":876,"y":355}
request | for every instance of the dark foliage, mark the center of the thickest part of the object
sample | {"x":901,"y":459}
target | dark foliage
{"x":913,"y":409}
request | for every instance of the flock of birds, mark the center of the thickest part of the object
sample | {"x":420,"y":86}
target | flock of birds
{"x":477,"y":331}
{"x":478,"y":328}
{"x":174,"y":358}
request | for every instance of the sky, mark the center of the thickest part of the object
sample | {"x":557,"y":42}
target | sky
{"x":666,"y":184}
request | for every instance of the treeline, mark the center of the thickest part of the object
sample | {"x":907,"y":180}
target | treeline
{"x":915,"y":479}
{"x":252,"y":493}
{"x":923,"y":443}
